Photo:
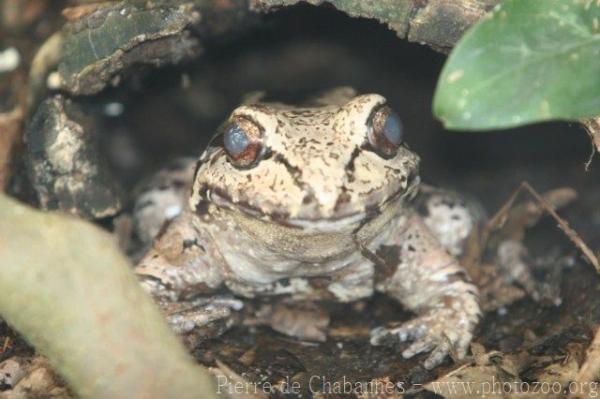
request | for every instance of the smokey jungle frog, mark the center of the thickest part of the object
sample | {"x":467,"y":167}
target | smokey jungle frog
{"x":288,"y":195}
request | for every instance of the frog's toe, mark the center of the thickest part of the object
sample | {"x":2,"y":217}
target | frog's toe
{"x":423,"y":341}
{"x":438,"y":355}
{"x":433,"y":332}
{"x":419,"y":346}
{"x":405,"y":332}
{"x":201,"y":312}
{"x":379,"y":335}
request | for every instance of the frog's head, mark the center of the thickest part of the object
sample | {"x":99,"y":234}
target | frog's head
{"x":308,"y":167}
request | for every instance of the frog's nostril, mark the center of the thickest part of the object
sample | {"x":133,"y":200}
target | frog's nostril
{"x":343,"y":199}
{"x":308,"y":199}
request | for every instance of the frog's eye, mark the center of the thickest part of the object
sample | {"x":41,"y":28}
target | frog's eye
{"x":385,"y":131}
{"x":242,"y":142}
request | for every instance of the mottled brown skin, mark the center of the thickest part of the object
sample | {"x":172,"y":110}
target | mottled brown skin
{"x":320,"y":204}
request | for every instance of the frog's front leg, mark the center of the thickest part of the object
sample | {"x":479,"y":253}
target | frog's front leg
{"x":426,"y":279}
{"x":183,"y":271}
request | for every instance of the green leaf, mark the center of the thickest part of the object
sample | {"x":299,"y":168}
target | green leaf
{"x":527,"y":61}
{"x":69,"y":290}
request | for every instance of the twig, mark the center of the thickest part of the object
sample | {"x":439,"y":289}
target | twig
{"x":7,"y":343}
{"x":501,"y":216}
{"x":564,"y":226}
{"x":10,"y":135}
{"x":592,"y":126}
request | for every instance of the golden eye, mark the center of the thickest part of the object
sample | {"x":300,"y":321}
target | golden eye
{"x":242,"y":141}
{"x":385,"y":131}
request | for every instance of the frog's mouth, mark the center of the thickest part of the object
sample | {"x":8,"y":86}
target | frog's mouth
{"x":357,"y":219}
{"x":331,"y":223}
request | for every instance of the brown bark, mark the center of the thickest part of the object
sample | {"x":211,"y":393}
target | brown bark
{"x":436,"y":23}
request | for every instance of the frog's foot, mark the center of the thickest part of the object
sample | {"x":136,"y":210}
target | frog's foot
{"x":442,"y":331}
{"x":185,"y":317}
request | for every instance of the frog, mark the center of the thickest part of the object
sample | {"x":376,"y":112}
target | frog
{"x":320,"y":202}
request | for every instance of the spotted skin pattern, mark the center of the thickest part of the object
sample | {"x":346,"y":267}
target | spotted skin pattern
{"x":320,"y":214}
